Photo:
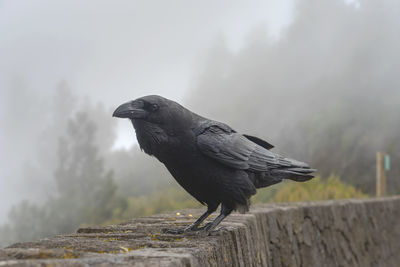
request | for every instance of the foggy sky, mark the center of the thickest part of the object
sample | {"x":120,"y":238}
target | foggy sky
{"x":326,"y":92}
{"x":109,"y":51}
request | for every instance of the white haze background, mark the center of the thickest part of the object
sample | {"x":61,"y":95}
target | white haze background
{"x":109,"y":51}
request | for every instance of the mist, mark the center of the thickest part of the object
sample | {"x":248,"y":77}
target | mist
{"x":327,"y":91}
{"x":317,"y":80}
{"x":105,"y":51}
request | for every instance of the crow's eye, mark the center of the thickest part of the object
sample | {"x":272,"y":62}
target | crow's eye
{"x":138,"y":103}
{"x":154,"y":107}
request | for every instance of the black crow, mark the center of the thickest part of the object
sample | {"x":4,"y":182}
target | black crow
{"x":209,"y":159}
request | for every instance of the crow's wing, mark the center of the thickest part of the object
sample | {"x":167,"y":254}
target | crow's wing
{"x":259,"y":141}
{"x":237,"y":151}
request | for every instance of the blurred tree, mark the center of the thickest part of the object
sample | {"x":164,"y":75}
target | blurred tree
{"x":317,"y":98}
{"x":138,"y":174}
{"x":101,"y":116}
{"x":27,"y":221}
{"x":86,"y":193}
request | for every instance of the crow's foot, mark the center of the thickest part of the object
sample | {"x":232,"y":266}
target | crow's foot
{"x":176,"y":231}
{"x":189,"y":231}
{"x":206,"y":230}
{"x":179,"y":231}
{"x":199,"y":232}
{"x":219,"y":230}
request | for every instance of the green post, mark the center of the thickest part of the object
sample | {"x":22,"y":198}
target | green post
{"x":387,"y":162}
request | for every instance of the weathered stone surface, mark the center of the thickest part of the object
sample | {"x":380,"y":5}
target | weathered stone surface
{"x":329,"y":233}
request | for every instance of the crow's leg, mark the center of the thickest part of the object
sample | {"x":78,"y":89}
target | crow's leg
{"x":194,"y":226}
{"x":225,"y":211}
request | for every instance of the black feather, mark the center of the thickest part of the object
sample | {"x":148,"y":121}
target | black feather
{"x":259,"y":141}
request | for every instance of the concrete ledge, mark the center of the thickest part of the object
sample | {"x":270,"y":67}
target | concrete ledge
{"x":330,"y":233}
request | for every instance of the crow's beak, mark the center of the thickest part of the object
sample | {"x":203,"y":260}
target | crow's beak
{"x":131,"y":110}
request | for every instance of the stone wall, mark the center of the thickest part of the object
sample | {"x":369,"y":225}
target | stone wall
{"x":330,"y":233}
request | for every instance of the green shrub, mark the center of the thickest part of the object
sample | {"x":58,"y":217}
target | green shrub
{"x":315,"y":189}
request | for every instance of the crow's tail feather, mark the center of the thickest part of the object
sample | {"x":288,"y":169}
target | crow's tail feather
{"x":285,"y":168}
{"x":294,"y":170}
{"x":295,"y":174}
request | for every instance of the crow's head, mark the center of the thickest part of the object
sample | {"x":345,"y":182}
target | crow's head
{"x":142,"y":108}
{"x":154,"y":119}
{"x":152,"y":108}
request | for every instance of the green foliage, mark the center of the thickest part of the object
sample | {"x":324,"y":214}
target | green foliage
{"x":315,"y":189}
{"x":265,"y":195}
